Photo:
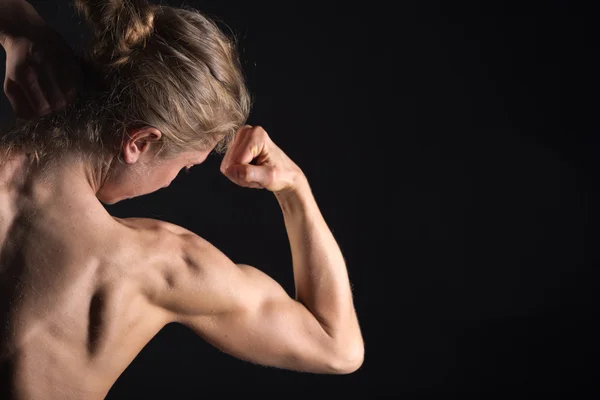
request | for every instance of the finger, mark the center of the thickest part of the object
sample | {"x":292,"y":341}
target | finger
{"x":250,"y":146}
{"x":28,"y":81}
{"x":235,"y":146}
{"x":49,"y":85}
{"x":231,"y":148}
{"x":251,"y":175}
{"x":18,"y":100}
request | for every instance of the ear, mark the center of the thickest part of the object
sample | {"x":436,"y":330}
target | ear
{"x":139,"y":141}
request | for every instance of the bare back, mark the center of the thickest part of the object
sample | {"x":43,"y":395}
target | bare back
{"x":82,"y":292}
{"x":73,"y":317}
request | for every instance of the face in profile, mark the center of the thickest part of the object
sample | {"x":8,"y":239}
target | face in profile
{"x":142,"y":172}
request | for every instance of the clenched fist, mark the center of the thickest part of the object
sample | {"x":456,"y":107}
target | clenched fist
{"x":253,"y":160}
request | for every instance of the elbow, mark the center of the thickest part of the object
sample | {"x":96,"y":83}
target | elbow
{"x":350,"y":360}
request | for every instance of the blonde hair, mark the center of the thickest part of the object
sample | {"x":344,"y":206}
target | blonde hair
{"x":147,"y":65}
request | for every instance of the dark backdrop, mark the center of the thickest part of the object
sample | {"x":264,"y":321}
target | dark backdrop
{"x":453,"y":150}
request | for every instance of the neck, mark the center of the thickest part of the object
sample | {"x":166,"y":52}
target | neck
{"x":69,"y":176}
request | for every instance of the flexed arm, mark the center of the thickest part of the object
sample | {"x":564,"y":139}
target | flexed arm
{"x":320,"y":273}
{"x":244,"y":312}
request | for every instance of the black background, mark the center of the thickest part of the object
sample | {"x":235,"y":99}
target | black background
{"x":453,"y":149}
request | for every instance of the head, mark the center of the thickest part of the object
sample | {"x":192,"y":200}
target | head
{"x":138,"y":170}
{"x":163,"y":88}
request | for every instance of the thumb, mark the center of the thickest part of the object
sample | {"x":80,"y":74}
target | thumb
{"x":246,"y":174}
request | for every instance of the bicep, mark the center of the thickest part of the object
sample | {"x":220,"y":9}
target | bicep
{"x":267,"y":327}
{"x":242,"y":311}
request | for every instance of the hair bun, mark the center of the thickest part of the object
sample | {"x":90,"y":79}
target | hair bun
{"x":119,"y":27}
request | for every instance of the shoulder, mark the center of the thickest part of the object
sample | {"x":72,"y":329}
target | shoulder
{"x":172,"y":256}
{"x":171,"y":246}
{"x":150,"y":224}
{"x":170,"y":237}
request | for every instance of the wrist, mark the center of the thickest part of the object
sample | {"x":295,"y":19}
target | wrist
{"x":296,"y":197}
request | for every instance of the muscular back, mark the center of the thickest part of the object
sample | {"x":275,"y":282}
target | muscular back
{"x":81,"y":293}
{"x":73,"y":315}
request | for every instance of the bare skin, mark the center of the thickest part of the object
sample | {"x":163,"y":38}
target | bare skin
{"x":82,"y":292}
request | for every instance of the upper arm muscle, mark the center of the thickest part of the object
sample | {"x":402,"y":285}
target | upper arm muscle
{"x":242,"y":311}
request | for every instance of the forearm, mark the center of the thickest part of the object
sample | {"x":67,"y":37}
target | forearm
{"x":320,"y":273}
{"x":17,"y":18}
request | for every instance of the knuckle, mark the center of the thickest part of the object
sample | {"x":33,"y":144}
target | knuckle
{"x":244,"y":130}
{"x":259,"y":131}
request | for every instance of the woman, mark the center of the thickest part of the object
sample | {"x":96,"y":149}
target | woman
{"x":82,"y":292}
